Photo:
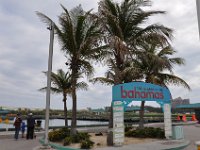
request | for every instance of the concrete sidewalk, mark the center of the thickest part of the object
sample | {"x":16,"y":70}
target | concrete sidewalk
{"x":23,"y":144}
{"x":156,"y":145}
{"x":20,"y":144}
{"x":191,"y":133}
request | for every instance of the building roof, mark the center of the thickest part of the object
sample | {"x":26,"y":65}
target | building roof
{"x":133,"y":108}
{"x":4,"y":111}
{"x":189,"y":106}
{"x":98,"y":110}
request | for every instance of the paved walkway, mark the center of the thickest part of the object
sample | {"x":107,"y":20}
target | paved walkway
{"x":20,"y":144}
{"x":191,"y":132}
{"x":156,"y":145}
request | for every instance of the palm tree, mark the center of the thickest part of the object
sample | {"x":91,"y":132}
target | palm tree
{"x":79,"y":36}
{"x":122,"y":26}
{"x":124,"y":29}
{"x":156,"y":64}
{"x":61,"y":83}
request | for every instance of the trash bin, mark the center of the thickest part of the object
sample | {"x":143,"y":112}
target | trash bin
{"x":177,"y":132}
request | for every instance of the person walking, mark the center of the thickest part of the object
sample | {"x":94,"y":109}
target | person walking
{"x":17,"y":125}
{"x":30,"y":126}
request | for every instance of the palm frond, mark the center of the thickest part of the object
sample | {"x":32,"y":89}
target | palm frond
{"x":175,"y":80}
{"x":102,"y":80}
{"x":44,"y":18}
{"x":82,"y":86}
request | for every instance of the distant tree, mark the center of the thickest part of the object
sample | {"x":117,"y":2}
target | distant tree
{"x":62,"y":83}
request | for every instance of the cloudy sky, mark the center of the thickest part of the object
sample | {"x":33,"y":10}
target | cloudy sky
{"x":24,"y":42}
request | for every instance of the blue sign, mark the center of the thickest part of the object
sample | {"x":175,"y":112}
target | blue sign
{"x":140,"y":91}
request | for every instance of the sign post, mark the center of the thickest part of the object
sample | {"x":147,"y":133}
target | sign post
{"x":123,"y":94}
{"x":167,"y":121}
{"x":118,"y":123}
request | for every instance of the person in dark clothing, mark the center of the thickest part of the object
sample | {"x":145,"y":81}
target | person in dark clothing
{"x":17,"y":124}
{"x":30,"y":126}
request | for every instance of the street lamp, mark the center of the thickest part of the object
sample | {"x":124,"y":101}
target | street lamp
{"x":198,"y":13}
{"x":51,"y":28}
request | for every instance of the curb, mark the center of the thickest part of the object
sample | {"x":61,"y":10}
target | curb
{"x":197,"y":125}
{"x":184,"y":123}
{"x":179,"y":147}
{"x":57,"y":146}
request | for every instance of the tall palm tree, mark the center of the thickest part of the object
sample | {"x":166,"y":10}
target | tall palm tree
{"x":123,"y":23}
{"x":79,"y":35}
{"x":61,"y":83}
{"x":125,"y":31}
{"x":156,"y":63}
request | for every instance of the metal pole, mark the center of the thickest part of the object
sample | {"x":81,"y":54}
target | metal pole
{"x":198,"y":13}
{"x":51,"y":28}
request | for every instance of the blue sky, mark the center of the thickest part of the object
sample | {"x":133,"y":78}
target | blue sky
{"x":24,"y":42}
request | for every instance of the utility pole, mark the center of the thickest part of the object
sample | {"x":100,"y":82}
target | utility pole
{"x":198,"y":14}
{"x":51,"y":28}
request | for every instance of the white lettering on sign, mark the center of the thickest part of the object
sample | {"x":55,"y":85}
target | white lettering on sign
{"x":118,"y":123}
{"x":119,"y":130}
{"x":118,"y":119}
{"x":118,"y":114}
{"x":119,"y":135}
{"x":118,"y":108}
{"x":167,"y":121}
{"x":117,"y":103}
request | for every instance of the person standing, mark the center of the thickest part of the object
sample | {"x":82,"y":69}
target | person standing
{"x":23,"y":126}
{"x":17,"y":125}
{"x":30,"y":126}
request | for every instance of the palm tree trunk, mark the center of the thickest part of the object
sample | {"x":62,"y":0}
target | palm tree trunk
{"x":74,"y":105}
{"x":141,"y":123}
{"x":65,"y":109}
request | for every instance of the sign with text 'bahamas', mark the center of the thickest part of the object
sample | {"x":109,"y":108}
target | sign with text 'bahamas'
{"x":140,"y":91}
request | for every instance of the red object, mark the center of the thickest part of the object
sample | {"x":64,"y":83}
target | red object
{"x":178,"y":118}
{"x":184,"y":118}
{"x":194,"y":118}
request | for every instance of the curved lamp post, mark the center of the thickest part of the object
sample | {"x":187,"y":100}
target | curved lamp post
{"x":198,"y":13}
{"x":51,"y":28}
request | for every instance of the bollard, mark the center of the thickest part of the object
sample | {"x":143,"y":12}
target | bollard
{"x":198,"y":145}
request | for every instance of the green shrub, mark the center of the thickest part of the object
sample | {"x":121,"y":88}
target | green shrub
{"x":59,"y":134}
{"x":75,"y":138}
{"x":80,"y":136}
{"x":160,"y":133}
{"x":83,"y":136}
{"x":65,"y":131}
{"x":127,"y":129}
{"x":67,"y":141}
{"x":86,"y":144}
{"x":148,"y":132}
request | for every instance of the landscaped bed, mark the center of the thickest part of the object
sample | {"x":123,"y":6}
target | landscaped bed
{"x":97,"y":140}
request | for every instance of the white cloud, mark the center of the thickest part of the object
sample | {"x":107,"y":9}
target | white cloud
{"x":24,"y":51}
